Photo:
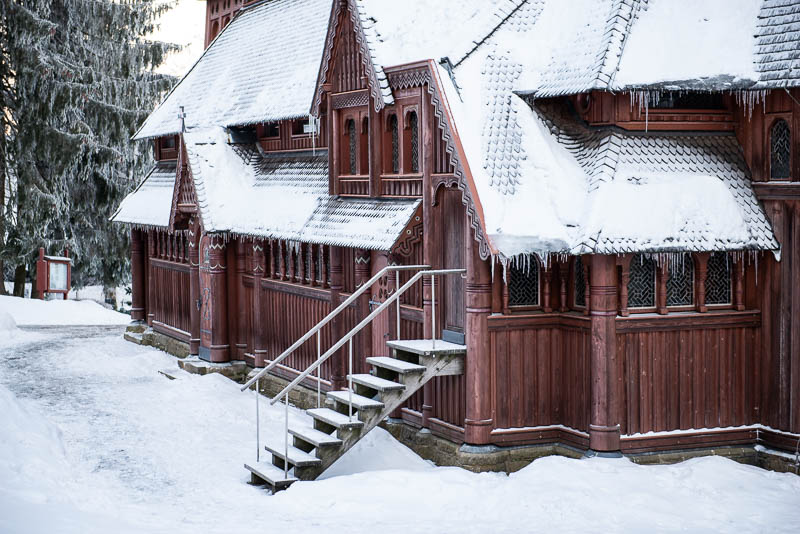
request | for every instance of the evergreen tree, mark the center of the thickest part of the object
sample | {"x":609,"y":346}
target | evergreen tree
{"x":78,"y":78}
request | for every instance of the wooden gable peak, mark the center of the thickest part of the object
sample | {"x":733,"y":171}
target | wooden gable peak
{"x":184,"y":195}
{"x":346,"y":17}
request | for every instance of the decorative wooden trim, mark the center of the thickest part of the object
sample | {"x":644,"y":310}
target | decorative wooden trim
{"x":540,"y":434}
{"x":688,"y":440}
{"x":421,"y":77}
{"x":295,"y":289}
{"x":350,"y":99}
{"x":366,"y":56}
{"x":539,"y":320}
{"x":410,"y":313}
{"x":170,"y":265}
{"x":777,"y":190}
{"x":689,"y":321}
{"x":411,"y":235}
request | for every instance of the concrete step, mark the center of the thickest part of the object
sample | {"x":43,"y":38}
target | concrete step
{"x":359,"y":402}
{"x":315,"y":437}
{"x":398,"y":366}
{"x":334,"y":418}
{"x":296,"y":456}
{"x":376,"y":383}
{"x":427,"y":347}
{"x":270,"y":474}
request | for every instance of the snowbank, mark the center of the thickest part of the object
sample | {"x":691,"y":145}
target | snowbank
{"x":59,"y":312}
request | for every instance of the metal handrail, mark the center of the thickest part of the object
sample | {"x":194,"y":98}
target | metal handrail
{"x":347,"y":337}
{"x":328,"y":318}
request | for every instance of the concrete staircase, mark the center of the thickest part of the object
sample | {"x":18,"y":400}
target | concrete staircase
{"x":324,"y":434}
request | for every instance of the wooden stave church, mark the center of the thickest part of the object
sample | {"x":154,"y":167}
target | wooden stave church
{"x":587,"y":373}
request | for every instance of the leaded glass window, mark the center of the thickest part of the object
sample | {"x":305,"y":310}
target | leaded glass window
{"x":680,"y":282}
{"x":414,"y":127}
{"x":395,"y":144}
{"x":523,"y":284}
{"x":580,"y":283}
{"x":780,"y":139}
{"x":718,"y":279}
{"x":642,"y":283}
{"x":351,"y":134}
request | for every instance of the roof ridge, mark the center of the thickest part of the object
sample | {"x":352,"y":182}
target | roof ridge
{"x":504,"y":17}
{"x":618,"y":28}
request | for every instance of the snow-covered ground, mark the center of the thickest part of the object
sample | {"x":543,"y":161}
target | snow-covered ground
{"x":27,"y":311}
{"x":94,"y":439}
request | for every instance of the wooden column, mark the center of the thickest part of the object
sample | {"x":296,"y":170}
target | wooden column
{"x":478,"y":423}
{"x":547,"y":274}
{"x":701,"y":270}
{"x":239,"y":312}
{"x":259,"y":272}
{"x":563,"y":276}
{"x":375,"y":159}
{"x":431,"y":239}
{"x":338,"y":363}
{"x":624,"y":264}
{"x":194,"y":288}
{"x":137,"y":277}
{"x":362,"y":342}
{"x":604,"y":428}
{"x":151,"y":252}
{"x":662,"y":273}
{"x":217,"y":270}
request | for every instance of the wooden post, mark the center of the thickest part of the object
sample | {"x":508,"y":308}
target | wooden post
{"x":662,"y":273}
{"x":338,"y":365}
{"x":478,"y":423}
{"x":701,"y":268}
{"x":738,"y":274}
{"x":604,"y":428}
{"x":239,"y":311}
{"x":363,"y":340}
{"x":375,"y":159}
{"x":218,"y":261}
{"x":547,"y":274}
{"x":624,"y":262}
{"x":194,"y":288}
{"x":259,"y":271}
{"x":137,"y":277}
{"x":563,"y":276}
{"x":151,"y":248}
{"x":431,"y":239}
{"x":585,"y":260}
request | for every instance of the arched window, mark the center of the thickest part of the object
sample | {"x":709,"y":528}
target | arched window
{"x":413,"y":126}
{"x":352,"y":144}
{"x":395,"y":168}
{"x":680,"y":282}
{"x":523,"y":284}
{"x":363,"y":167}
{"x":214,"y":31}
{"x":718,"y":279}
{"x":580,"y":282}
{"x":780,"y":142}
{"x":642,"y":283}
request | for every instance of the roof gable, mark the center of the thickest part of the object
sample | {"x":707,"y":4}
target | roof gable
{"x":348,"y":55}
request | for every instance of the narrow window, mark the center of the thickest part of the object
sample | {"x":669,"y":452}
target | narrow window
{"x":718,"y":279}
{"x":642,"y":283}
{"x":780,"y":139}
{"x":271,"y":130}
{"x":364,"y":147}
{"x":351,"y":134}
{"x":580,"y":282}
{"x":395,"y":144}
{"x":413,"y":125}
{"x":301,"y":127}
{"x":523,"y":284}
{"x":680,"y":282}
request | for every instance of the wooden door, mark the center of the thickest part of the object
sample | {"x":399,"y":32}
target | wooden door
{"x":206,"y":302}
{"x":453,"y":257}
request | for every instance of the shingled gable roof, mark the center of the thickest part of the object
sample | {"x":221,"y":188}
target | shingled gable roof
{"x":261,"y":67}
{"x":284,"y":196}
{"x":778,"y":44}
{"x":548,"y":184}
{"x":151,"y":202}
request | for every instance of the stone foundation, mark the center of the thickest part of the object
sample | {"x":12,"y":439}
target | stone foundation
{"x":235,"y":370}
{"x":142,"y":335}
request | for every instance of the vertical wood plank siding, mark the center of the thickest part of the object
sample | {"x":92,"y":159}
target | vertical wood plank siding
{"x":541,"y":376}
{"x":169,"y":280}
{"x":684,"y":379}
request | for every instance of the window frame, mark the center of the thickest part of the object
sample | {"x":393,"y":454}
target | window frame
{"x":539,"y":280}
{"x":774,"y":119}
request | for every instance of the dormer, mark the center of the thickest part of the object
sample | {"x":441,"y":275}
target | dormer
{"x":658,"y":111}
{"x":165,"y":148}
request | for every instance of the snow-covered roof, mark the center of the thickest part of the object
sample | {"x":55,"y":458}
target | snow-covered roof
{"x":284,"y":196}
{"x":778,"y":43}
{"x":151,"y":202}
{"x":549,"y":184}
{"x":261,"y":67}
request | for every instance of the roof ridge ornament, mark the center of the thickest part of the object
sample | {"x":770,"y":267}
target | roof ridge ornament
{"x":182,"y":117}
